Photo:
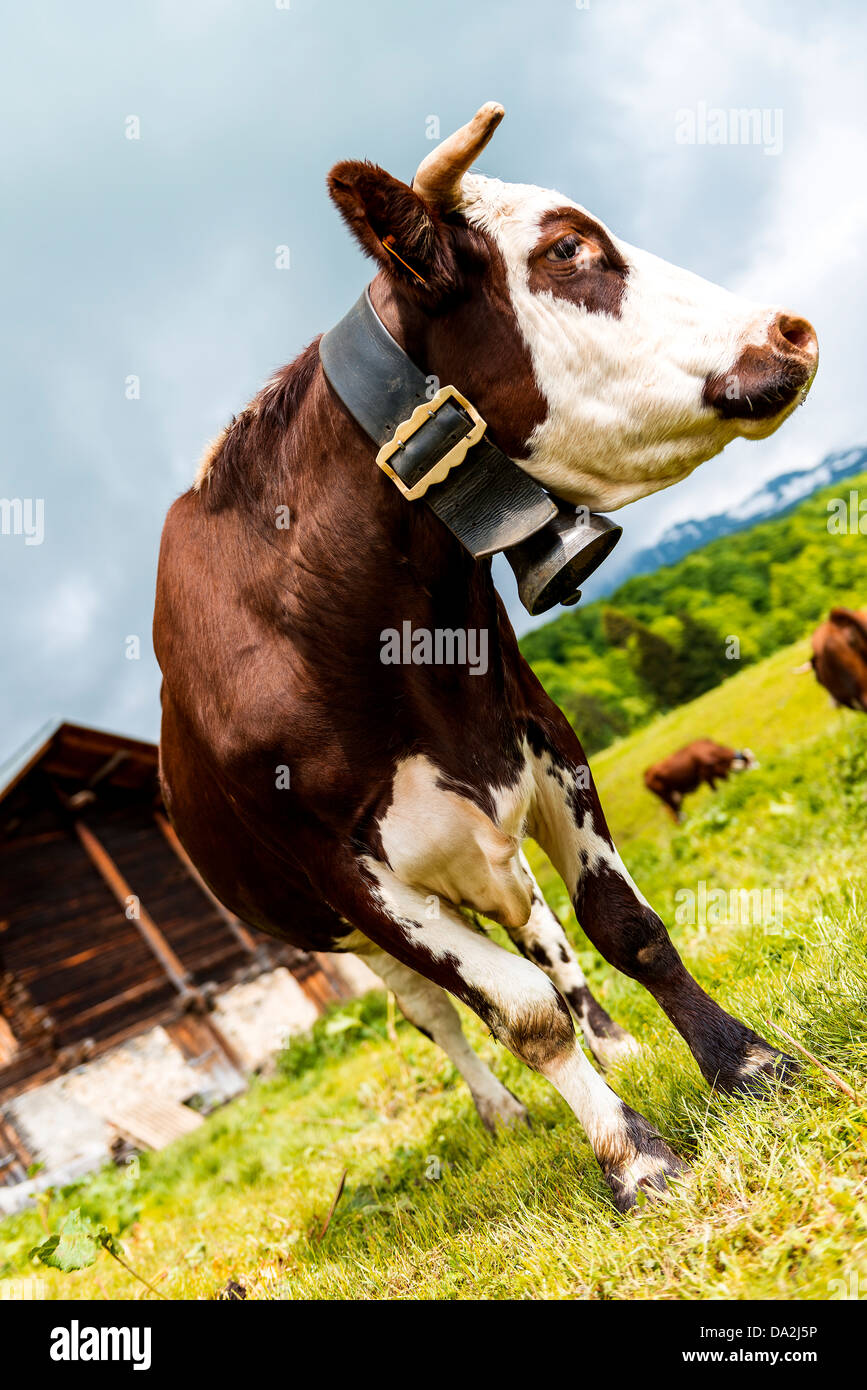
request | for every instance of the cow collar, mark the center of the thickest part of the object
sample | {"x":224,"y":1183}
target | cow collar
{"x":432,"y":445}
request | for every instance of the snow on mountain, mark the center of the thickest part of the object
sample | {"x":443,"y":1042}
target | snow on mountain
{"x":773,"y":498}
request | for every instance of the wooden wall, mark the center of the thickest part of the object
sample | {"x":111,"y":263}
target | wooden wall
{"x":187,"y":918}
{"x":77,"y":972}
{"x":69,"y":945}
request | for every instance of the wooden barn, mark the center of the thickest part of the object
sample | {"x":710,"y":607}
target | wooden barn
{"x":107,"y":936}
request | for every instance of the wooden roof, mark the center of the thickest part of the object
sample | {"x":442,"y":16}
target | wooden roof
{"x":77,"y":753}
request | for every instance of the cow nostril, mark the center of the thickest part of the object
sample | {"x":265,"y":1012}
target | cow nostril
{"x":797,"y":332}
{"x":767,"y":377}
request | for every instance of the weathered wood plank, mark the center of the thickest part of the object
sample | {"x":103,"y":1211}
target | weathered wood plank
{"x":105,"y":865}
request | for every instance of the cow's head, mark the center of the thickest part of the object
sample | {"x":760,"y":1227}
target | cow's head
{"x":605,"y":371}
{"x":744,"y":760}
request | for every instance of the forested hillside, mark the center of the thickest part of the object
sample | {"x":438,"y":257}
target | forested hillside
{"x":664,"y":638}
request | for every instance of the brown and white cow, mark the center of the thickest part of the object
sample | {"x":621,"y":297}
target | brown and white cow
{"x":697,"y":762}
{"x":347,"y":804}
{"x":839,"y":657}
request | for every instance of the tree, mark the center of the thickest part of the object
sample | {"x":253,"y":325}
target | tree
{"x":702,"y":661}
{"x":651,"y":657}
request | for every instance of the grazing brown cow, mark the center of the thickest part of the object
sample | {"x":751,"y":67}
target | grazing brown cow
{"x":840,"y":657}
{"x":353,"y":748}
{"x":697,"y":762}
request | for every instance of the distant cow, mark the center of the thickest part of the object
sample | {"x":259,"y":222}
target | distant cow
{"x":840,"y":657}
{"x":684,"y":771}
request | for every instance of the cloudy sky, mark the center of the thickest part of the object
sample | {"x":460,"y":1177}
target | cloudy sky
{"x":155,"y":257}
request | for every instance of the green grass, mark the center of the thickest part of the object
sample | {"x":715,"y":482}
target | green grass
{"x":764,"y":707}
{"x":435,"y":1208}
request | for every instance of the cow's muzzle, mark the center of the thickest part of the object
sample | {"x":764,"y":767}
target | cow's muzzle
{"x":767,"y":378}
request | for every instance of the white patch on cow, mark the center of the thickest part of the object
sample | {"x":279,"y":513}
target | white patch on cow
{"x":759,"y":1057}
{"x":591,"y":1098}
{"x":602,"y":1116}
{"x":568,"y":845}
{"x":625,"y":412}
{"x":544,"y":932}
{"x":515,"y":987}
{"x":438,"y":840}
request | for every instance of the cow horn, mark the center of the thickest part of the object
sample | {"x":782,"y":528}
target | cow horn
{"x":438,"y":177}
{"x":802,"y":670}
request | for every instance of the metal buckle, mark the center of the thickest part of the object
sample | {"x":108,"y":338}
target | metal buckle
{"x":443,"y":466}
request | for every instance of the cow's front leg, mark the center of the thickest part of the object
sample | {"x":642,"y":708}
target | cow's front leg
{"x":520,"y":1005}
{"x":567,"y":821}
{"x":543,"y":940}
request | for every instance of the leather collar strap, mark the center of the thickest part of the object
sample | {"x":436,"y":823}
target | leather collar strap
{"x":432,"y":447}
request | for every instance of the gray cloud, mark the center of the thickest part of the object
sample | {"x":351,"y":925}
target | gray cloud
{"x":156,"y":257}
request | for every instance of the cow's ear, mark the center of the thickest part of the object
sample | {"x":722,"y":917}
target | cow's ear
{"x":396,"y":227}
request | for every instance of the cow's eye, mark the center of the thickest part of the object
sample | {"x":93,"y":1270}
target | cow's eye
{"x":564,"y":250}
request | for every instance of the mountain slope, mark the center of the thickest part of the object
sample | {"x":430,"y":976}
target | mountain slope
{"x":664,"y":638}
{"x":774,"y":498}
{"x":765,"y":708}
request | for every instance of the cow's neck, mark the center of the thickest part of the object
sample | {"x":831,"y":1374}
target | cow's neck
{"x":356,"y":546}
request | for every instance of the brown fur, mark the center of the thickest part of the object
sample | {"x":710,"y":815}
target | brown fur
{"x":596,"y":280}
{"x":269,"y":639}
{"x":840,"y":657}
{"x":684,"y":771}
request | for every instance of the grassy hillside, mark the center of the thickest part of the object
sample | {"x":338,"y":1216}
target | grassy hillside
{"x":435,"y":1208}
{"x":662,"y":639}
{"x":766,"y":708}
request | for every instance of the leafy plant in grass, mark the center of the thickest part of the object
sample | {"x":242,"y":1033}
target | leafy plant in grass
{"x":77,"y":1245}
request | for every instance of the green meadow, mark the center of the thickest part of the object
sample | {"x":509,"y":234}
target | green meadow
{"x":434,"y":1207}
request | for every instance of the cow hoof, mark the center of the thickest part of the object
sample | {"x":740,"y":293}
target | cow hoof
{"x":501,"y":1110}
{"x":644,"y":1171}
{"x":762,"y":1067}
